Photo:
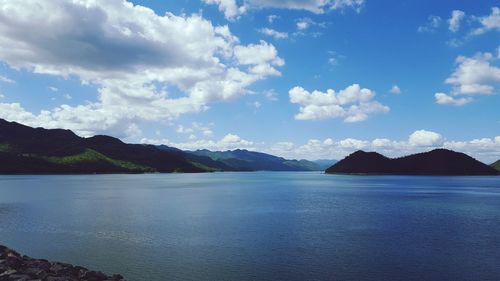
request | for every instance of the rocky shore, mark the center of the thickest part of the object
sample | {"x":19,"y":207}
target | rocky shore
{"x":14,"y":266}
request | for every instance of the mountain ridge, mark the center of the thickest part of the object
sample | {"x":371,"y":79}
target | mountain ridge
{"x":27,"y":150}
{"x":496,"y":165}
{"x":434,"y":162}
{"x":245,"y":160}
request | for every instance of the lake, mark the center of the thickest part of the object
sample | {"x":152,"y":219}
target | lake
{"x":258,"y":226}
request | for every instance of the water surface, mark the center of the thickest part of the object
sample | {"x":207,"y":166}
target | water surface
{"x":258,"y":226}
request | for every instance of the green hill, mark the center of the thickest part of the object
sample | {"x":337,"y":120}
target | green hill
{"x":26,"y":150}
{"x":496,"y":165}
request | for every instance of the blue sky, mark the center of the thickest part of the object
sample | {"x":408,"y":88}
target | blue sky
{"x":297,"y":78}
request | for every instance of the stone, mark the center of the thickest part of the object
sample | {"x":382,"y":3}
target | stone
{"x":13,"y":262}
{"x":14,"y":267}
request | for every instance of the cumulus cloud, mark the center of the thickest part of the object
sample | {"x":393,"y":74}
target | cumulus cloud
{"x":228,"y":142}
{"x":433,"y":23}
{"x":271,"y":95}
{"x":442,"y":98}
{"x":395,"y":90}
{"x":476,"y":75}
{"x":132,"y":56}
{"x":7,"y":80}
{"x":272,"y":18}
{"x":302,"y":25}
{"x":273,"y":33}
{"x":353,"y":104}
{"x":231,"y":10}
{"x":485,"y":149}
{"x":425,"y":138}
{"x":488,"y":23}
{"x":228,"y":7}
{"x":455,"y":20}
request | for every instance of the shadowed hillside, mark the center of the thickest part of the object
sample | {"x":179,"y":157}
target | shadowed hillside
{"x":26,"y":150}
{"x":244,"y":160}
{"x":36,"y":150}
{"x":435,"y":162}
{"x":496,"y":165}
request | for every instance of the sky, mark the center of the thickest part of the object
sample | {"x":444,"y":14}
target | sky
{"x":302,"y":79}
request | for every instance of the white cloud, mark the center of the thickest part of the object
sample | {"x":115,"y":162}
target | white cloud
{"x":228,"y":142}
{"x":477,"y":75}
{"x":425,"y":138}
{"x":126,"y":51}
{"x":256,"y":104}
{"x":7,"y":80}
{"x":53,"y":89}
{"x":433,"y":23}
{"x":455,"y":19}
{"x":395,"y":90}
{"x":486,"y":149}
{"x":196,"y":128}
{"x":302,"y":25}
{"x":263,"y":58}
{"x":273,"y":33}
{"x":272,"y":18}
{"x":183,"y":130}
{"x":490,"y":22}
{"x":334,"y":57}
{"x":314,"y":6}
{"x":353,"y":104}
{"x":231,"y":10}
{"x":442,"y":98}
{"x":271,"y":95}
{"x":228,"y":7}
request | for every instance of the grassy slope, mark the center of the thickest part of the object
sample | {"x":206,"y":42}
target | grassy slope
{"x":4,"y":147}
{"x":496,"y":165}
{"x":92,"y":156}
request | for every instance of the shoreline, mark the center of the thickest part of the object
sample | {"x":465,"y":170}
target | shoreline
{"x":14,"y":266}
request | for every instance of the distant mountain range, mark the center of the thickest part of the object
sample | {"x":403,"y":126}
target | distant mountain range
{"x":435,"y":162}
{"x":244,"y":160}
{"x":26,"y":150}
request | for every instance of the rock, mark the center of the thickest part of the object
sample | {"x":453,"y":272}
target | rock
{"x":8,"y":272}
{"x":14,"y":267}
{"x":94,"y":276}
{"x":20,"y":277}
{"x":13,"y":262}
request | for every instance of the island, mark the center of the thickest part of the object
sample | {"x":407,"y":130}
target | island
{"x":435,"y":162}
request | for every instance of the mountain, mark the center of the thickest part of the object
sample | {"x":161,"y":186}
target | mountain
{"x":496,"y":165}
{"x":435,"y":162}
{"x":244,"y":160}
{"x":42,"y":151}
{"x":325,"y":163}
{"x":199,"y":160}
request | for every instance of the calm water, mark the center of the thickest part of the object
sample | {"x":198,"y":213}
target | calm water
{"x":259,"y":226}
